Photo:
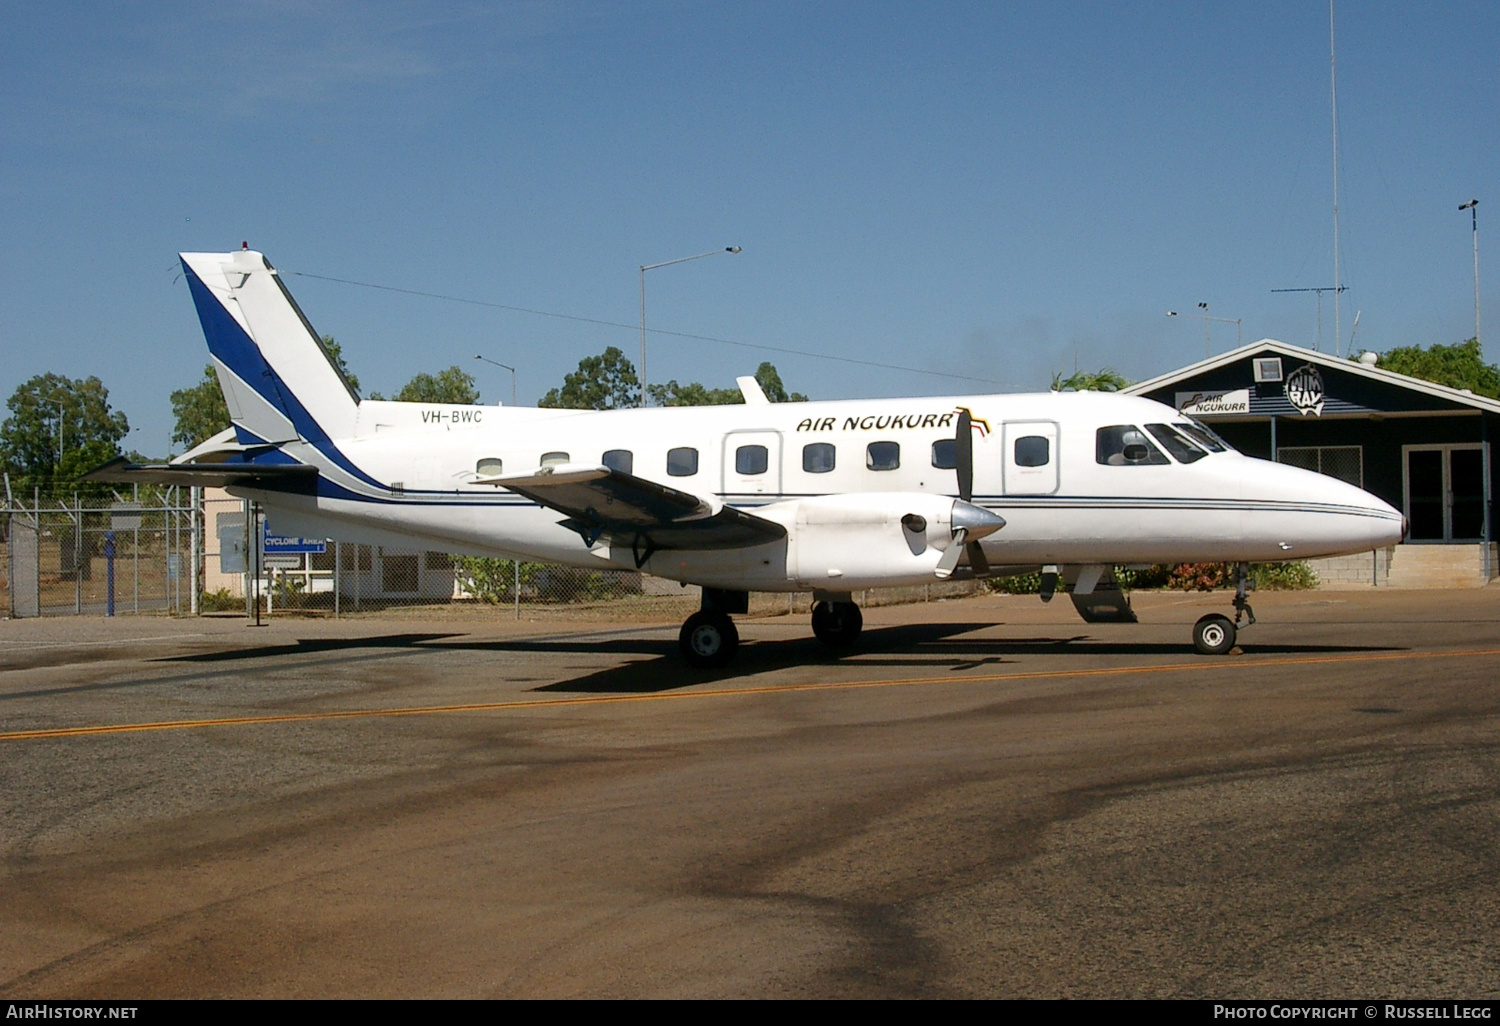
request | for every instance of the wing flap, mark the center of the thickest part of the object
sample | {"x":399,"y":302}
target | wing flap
{"x":603,"y":503}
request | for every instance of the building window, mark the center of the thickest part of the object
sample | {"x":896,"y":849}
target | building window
{"x":818,"y":457}
{"x":883,"y":455}
{"x":750,"y":460}
{"x":945,"y":454}
{"x":682,"y":462}
{"x":1033,"y":451}
{"x":1345,"y":462}
{"x":622,"y":460}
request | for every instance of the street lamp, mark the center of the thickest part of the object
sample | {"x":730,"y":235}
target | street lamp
{"x":1473,"y":208}
{"x":652,"y":267}
{"x":1207,"y":338}
{"x":505,"y":366}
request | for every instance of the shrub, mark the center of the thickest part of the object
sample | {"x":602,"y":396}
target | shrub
{"x":219,"y":601}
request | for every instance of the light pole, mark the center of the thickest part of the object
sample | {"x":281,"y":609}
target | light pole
{"x":61,"y":414}
{"x":652,"y":267}
{"x":504,"y":366}
{"x":1473,"y":208}
{"x":1238,"y":323}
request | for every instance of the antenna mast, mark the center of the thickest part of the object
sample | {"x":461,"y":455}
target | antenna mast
{"x":1333,"y":92}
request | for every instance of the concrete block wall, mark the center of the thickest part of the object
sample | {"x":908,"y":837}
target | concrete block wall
{"x":1409,"y":566}
{"x":1361,"y":570}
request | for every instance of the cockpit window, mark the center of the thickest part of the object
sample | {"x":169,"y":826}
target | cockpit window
{"x":1125,"y":445}
{"x":1204,"y":436}
{"x":1182,"y":450}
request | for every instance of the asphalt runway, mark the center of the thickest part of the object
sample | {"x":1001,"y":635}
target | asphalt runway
{"x":988,"y":798}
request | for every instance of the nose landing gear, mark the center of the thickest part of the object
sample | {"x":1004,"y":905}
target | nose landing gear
{"x":1215,"y":634}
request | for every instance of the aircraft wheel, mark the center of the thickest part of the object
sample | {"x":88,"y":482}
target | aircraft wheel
{"x":1213,"y":634}
{"x":837,"y":623}
{"x":708,"y":639}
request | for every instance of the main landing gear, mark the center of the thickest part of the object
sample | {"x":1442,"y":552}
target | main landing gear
{"x":836,"y":621}
{"x":1215,"y":634}
{"x":709,"y":639}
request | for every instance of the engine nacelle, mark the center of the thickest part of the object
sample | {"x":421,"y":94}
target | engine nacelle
{"x":840,"y":542}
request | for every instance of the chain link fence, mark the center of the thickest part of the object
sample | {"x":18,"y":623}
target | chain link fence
{"x":71,"y":556}
{"x":178,"y":553}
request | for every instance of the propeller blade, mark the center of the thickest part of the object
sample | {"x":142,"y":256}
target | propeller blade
{"x":949,"y":561}
{"x":977,"y":559}
{"x":963,"y":444}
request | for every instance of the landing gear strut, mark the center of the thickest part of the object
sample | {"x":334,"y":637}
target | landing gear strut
{"x":1215,"y":634}
{"x":837,"y":622}
{"x":708,"y":638}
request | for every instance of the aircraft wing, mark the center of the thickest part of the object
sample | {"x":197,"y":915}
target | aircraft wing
{"x":277,"y":477}
{"x":625,"y":509}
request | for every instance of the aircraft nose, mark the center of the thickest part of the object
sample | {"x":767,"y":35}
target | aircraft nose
{"x":1332,"y":517}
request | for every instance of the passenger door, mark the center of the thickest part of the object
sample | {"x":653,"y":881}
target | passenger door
{"x":1030,"y":459}
{"x":752,"y":463}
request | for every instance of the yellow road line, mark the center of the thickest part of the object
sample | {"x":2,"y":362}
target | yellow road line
{"x":537,"y":703}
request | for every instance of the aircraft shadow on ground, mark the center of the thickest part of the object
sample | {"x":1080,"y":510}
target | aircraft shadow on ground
{"x":309,"y":646}
{"x":930,"y":646}
{"x":936,"y":646}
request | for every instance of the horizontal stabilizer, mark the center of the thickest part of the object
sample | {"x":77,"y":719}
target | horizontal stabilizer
{"x":271,"y":477}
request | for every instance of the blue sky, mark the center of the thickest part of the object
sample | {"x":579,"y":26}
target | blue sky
{"x":987,"y":190}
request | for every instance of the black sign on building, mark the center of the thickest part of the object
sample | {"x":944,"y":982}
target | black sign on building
{"x":1424,"y":448}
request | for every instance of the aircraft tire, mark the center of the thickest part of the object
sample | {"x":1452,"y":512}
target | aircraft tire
{"x":708,"y":639}
{"x":1214,"y":635}
{"x":837,"y":624}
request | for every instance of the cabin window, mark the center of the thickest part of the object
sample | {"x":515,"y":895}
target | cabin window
{"x":622,"y":460}
{"x":1033,"y":451}
{"x":883,"y":455}
{"x":750,"y":460}
{"x":1125,"y":445}
{"x":1182,"y":450}
{"x":945,"y":453}
{"x":490,"y":466}
{"x":552,"y":459}
{"x":818,"y":457}
{"x":682,"y":461}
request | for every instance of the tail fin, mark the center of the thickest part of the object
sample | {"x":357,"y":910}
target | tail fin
{"x":279,"y":382}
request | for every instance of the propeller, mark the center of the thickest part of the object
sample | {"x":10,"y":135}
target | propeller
{"x":970,"y":522}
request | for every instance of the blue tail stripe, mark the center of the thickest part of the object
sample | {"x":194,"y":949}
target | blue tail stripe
{"x":236,"y":350}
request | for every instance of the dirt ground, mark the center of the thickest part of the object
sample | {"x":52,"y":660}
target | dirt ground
{"x":986,"y":798}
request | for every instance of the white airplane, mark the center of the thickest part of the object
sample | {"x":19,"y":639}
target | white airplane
{"x":826,"y":497}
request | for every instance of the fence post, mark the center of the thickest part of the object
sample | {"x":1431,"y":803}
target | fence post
{"x":77,"y":556}
{"x":196,"y":501}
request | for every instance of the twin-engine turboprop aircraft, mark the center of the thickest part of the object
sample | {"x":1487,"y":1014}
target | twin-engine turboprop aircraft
{"x":826,"y":497}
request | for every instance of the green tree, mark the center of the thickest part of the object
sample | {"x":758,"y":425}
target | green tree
{"x":609,"y":382}
{"x":1106,"y":380}
{"x":199,"y":411}
{"x":604,"y":382}
{"x":694,"y":394}
{"x":450,"y":386}
{"x":1457,"y":366}
{"x":770,"y":383}
{"x":336,"y":354}
{"x":59,"y":428}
